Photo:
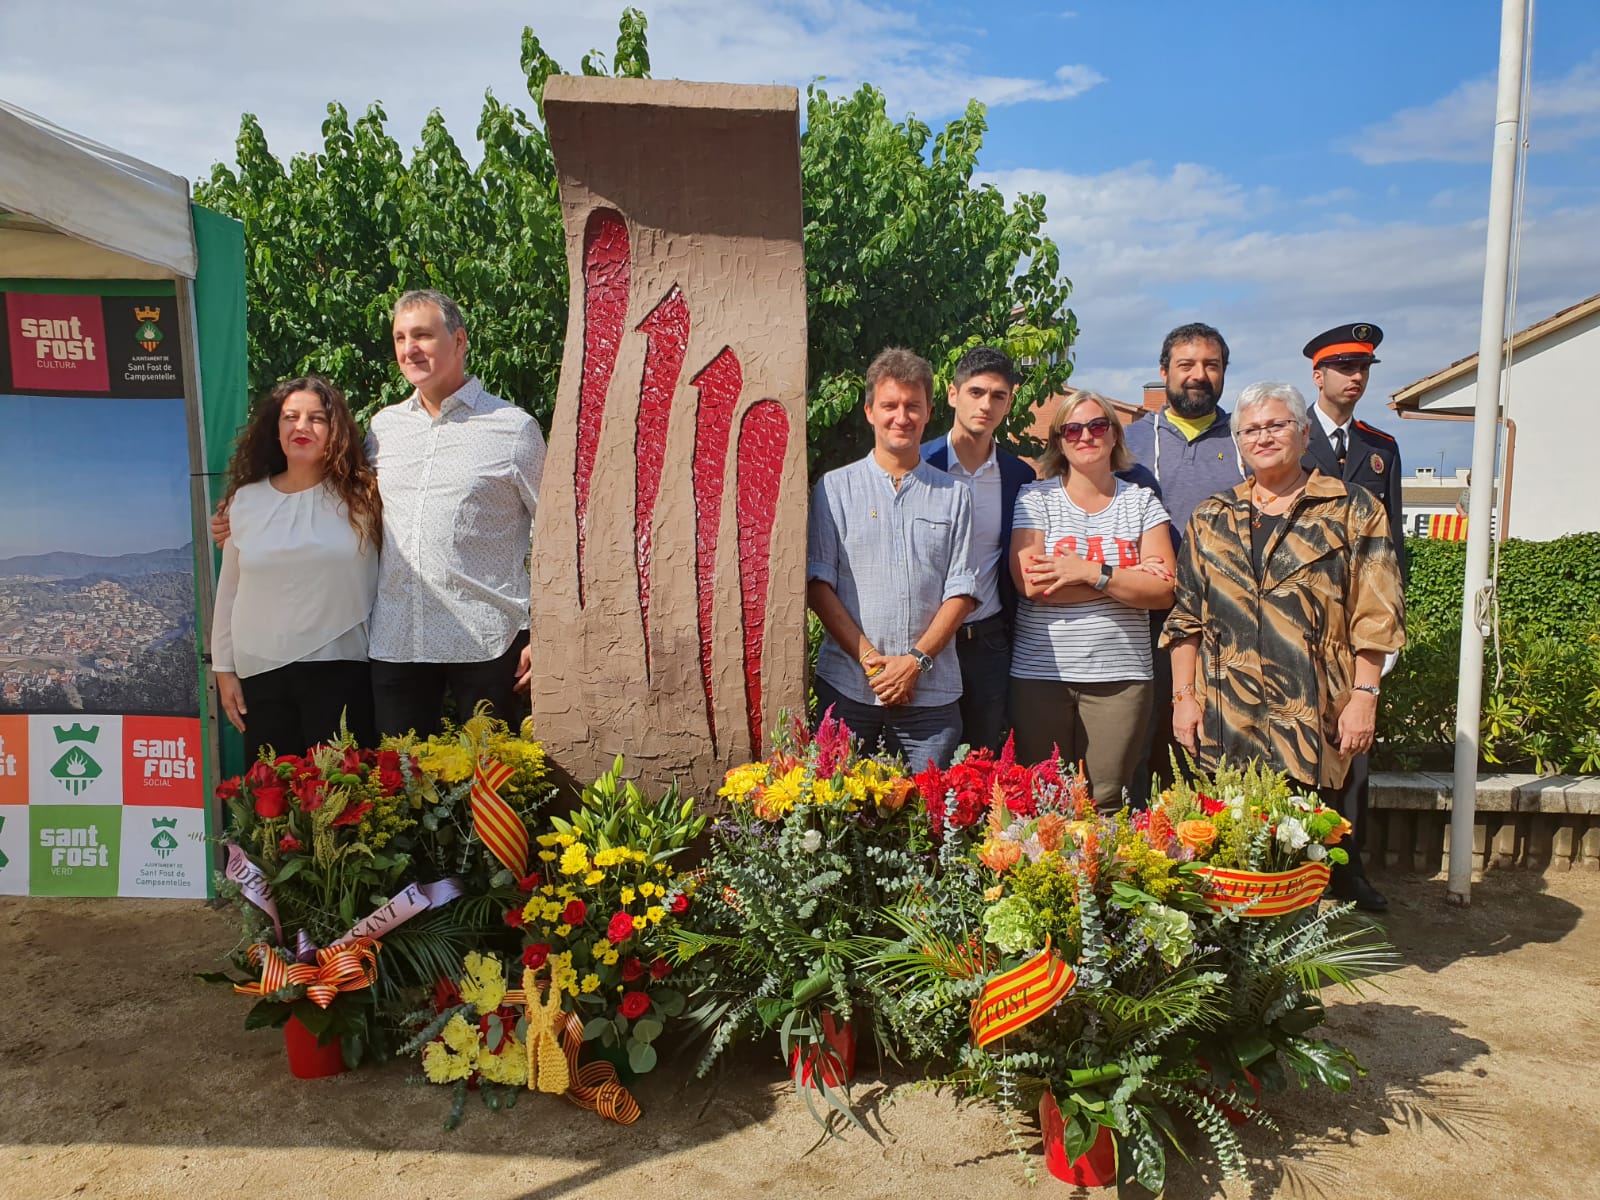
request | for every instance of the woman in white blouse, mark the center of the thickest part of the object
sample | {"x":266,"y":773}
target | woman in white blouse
{"x":299,"y":573}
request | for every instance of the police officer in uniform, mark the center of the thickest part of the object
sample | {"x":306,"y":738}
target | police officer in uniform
{"x":1357,"y":453}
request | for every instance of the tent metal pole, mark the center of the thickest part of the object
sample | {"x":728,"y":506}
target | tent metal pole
{"x":1486,"y":413}
{"x":200,"y":508}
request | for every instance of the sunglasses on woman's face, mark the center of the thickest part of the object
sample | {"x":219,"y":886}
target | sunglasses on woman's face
{"x":1073,"y":431}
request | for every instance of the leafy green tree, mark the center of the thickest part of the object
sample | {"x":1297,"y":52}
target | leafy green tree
{"x":901,"y":249}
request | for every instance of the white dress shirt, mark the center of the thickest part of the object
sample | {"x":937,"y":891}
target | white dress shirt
{"x":297,"y":582}
{"x":1329,"y":425}
{"x":459,"y":494}
{"x":987,"y":552}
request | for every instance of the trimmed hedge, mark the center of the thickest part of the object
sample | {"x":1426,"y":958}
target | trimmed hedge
{"x":1541,"y":702}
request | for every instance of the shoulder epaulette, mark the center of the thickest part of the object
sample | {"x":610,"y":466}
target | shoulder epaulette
{"x":1373,"y":429}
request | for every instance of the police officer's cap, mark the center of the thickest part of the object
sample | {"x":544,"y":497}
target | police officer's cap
{"x":1344,"y":346}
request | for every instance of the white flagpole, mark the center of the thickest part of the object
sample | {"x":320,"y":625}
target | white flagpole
{"x":1491,"y":340}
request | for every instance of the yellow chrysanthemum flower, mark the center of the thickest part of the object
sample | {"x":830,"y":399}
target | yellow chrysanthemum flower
{"x":460,"y":1036}
{"x":575,"y":859}
{"x":591,"y":983}
{"x":609,"y":958}
{"x":593,"y":877}
{"x":626,"y":895}
{"x":548,"y":856}
{"x":509,"y":1067}
{"x":484,"y":985}
{"x":441,"y":1065}
{"x":563,"y":929}
{"x":638,"y":924}
{"x":654,"y":913}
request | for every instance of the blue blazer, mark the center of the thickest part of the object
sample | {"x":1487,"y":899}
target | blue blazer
{"x":1014,"y":473}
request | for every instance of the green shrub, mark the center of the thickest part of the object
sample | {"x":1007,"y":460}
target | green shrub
{"x":1541,"y":700}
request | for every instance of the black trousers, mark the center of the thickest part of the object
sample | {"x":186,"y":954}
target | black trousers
{"x":411,"y":696}
{"x":1343,"y":801}
{"x":293,"y":708}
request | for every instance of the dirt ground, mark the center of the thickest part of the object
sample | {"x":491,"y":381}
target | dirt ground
{"x":121,"y":1076}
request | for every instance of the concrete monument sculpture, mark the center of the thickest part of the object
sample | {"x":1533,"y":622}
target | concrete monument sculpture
{"x":668,"y":613}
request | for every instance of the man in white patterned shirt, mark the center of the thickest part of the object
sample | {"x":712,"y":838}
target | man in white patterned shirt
{"x":459,"y":473}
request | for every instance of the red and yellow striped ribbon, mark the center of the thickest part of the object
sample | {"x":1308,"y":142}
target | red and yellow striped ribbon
{"x":1274,"y":892}
{"x":1019,"y":996}
{"x":500,"y":828}
{"x":595,"y":1086}
{"x":344,"y":967}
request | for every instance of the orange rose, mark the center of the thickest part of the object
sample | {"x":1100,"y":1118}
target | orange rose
{"x":1196,"y":835}
{"x":1343,"y":830}
{"x":999,"y":855}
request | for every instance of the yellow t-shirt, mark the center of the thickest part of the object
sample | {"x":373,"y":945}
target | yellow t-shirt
{"x":1192,"y":429}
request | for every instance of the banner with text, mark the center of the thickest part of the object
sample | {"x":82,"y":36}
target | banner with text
{"x":101,"y":788}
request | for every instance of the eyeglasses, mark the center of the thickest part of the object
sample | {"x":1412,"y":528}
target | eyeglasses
{"x":1073,"y":431}
{"x":1254,"y":433}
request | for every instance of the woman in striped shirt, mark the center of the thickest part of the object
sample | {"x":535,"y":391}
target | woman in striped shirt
{"x":1091,"y":555}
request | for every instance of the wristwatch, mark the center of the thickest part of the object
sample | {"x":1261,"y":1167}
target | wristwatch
{"x":1105,"y":577}
{"x":924,"y":663}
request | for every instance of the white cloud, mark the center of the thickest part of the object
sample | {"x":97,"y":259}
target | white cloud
{"x":1459,"y":127}
{"x":169,"y":87}
{"x":1148,"y":249}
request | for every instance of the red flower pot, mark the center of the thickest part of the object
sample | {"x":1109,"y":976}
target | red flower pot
{"x":1236,"y":1116}
{"x":835,"y":1058}
{"x":307,"y":1060}
{"x":1097,"y":1168}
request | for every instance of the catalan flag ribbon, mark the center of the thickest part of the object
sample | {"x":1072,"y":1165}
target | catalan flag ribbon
{"x":1020,"y":996}
{"x":1447,"y":527}
{"x":1269,"y":893}
{"x":593,"y":1086}
{"x":344,"y":967}
{"x":500,"y":828}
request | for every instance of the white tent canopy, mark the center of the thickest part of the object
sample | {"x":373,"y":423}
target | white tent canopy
{"x":72,"y":208}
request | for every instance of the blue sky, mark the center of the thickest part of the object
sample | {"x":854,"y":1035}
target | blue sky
{"x":71,"y":467}
{"x":1272,"y":168}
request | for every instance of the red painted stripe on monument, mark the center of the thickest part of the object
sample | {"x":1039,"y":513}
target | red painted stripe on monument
{"x":719,"y":384}
{"x":763,"y":441}
{"x":605,"y":306}
{"x":667,"y":332}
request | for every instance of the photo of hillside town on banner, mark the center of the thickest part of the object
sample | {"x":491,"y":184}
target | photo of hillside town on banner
{"x":100,"y":780}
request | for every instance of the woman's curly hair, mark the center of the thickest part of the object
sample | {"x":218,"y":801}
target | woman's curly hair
{"x":259,"y":454}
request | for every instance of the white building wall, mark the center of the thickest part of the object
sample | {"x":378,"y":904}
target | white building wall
{"x":1555,"y":404}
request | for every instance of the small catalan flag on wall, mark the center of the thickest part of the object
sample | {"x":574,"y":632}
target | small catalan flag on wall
{"x":1448,"y":527}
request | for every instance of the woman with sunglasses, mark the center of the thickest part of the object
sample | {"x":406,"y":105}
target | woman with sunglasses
{"x":1288,"y":598}
{"x":1089,"y":555}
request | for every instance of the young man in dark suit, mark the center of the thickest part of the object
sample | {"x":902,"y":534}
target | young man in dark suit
{"x":980,"y":397}
{"x":1359,"y":454}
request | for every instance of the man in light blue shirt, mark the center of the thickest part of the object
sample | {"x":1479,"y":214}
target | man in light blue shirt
{"x":889,"y":574}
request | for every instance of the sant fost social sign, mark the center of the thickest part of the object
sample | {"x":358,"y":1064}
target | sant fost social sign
{"x":101,"y":780}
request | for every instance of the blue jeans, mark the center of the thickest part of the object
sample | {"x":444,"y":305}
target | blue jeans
{"x":915,"y":732}
{"x":984,"y":650}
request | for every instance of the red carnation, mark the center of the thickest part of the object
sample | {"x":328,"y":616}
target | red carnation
{"x":679,"y":904}
{"x":228,"y":789}
{"x":632,"y":968}
{"x":634,"y":1004}
{"x":660,"y":969}
{"x":534,"y":956}
{"x":288,"y":842}
{"x":271,"y":802}
{"x":352,"y":816}
{"x":514,"y":918}
{"x":620,"y":929}
{"x":1209,"y":806}
{"x":529,"y":883}
{"x":573,"y":913}
{"x":310,"y":793}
